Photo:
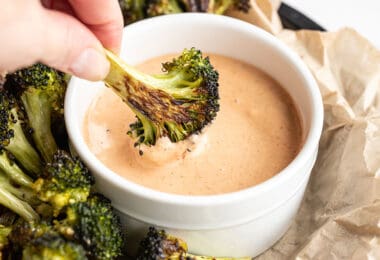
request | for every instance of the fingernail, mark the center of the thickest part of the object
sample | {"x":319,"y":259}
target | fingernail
{"x":90,"y":65}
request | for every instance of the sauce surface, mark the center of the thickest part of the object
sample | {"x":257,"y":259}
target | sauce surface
{"x":255,"y":135}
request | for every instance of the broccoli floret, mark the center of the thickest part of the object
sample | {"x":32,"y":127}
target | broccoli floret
{"x":39,"y":240}
{"x":53,"y":246}
{"x":161,"y":7}
{"x":133,"y":10}
{"x":41,"y":90}
{"x":221,"y":6}
{"x":158,"y":245}
{"x":12,"y":137}
{"x":64,"y":181}
{"x":17,"y":199}
{"x":11,"y":169}
{"x":175,"y":104}
{"x":95,"y":225}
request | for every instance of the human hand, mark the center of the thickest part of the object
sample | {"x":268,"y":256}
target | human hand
{"x":65,"y":34}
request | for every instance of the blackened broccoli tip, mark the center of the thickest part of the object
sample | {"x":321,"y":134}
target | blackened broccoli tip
{"x":12,"y":136}
{"x":41,"y":90}
{"x":176,"y":104}
{"x":53,"y":246}
{"x":158,"y":245}
{"x":96,"y":226}
{"x":64,"y":181}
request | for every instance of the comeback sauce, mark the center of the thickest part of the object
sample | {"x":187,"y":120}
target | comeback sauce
{"x":255,"y":135}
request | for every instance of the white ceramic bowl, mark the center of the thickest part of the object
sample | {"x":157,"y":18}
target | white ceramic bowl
{"x":243,"y":223}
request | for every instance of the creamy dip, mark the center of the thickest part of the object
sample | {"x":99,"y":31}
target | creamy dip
{"x":255,"y":135}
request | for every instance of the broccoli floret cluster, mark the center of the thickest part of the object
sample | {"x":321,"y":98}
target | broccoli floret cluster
{"x":134,"y":10}
{"x":47,"y":192}
{"x":175,"y":104}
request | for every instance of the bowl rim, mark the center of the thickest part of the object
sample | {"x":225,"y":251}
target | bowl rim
{"x":306,"y":152}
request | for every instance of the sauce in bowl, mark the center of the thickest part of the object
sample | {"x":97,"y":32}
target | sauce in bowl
{"x":256,"y":134}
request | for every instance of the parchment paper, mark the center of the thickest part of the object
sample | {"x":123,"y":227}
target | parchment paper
{"x":340,"y":215}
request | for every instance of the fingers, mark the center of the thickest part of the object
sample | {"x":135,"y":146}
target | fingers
{"x":54,"y":38}
{"x":103,"y":18}
{"x":68,"y":45}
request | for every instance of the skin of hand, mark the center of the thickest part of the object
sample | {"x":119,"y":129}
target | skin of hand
{"x":68,"y":35}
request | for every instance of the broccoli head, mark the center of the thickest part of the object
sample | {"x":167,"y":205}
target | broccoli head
{"x":53,"y":246}
{"x":158,"y":245}
{"x":221,"y":6}
{"x":64,"y":181}
{"x":12,"y":136}
{"x":132,"y":10}
{"x":175,"y":104}
{"x":95,"y":225}
{"x":41,"y":90}
{"x":161,"y":7}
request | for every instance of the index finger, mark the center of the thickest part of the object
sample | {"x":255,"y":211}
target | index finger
{"x":103,"y":18}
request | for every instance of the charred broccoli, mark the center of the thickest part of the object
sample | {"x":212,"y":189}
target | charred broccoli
{"x":41,"y":90}
{"x":221,"y":6}
{"x":53,"y":246}
{"x":158,"y":245}
{"x":39,"y":240}
{"x":95,"y":225}
{"x":12,"y":137}
{"x":132,"y":10}
{"x":175,"y":104}
{"x":161,"y":7}
{"x":64,"y":181}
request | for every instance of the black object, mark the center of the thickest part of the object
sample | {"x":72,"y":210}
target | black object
{"x":294,"y":20}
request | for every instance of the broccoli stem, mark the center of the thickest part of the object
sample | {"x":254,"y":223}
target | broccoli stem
{"x":10,"y":197}
{"x":13,"y":171}
{"x":38,"y":109}
{"x":24,"y":152}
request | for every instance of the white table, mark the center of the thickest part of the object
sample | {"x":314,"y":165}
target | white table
{"x":362,"y":15}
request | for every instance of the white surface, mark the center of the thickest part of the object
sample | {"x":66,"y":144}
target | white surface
{"x":363,"y":15}
{"x":210,"y":224}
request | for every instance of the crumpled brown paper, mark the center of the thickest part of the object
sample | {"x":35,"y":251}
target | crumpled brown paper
{"x":340,"y":215}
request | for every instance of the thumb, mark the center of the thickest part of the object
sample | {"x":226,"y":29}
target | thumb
{"x":68,"y":45}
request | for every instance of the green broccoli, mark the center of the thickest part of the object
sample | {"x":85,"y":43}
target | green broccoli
{"x":39,"y":240}
{"x":175,"y":104}
{"x":221,"y":6}
{"x":53,"y":246}
{"x":17,"y":199}
{"x":41,"y":90}
{"x":95,"y":225}
{"x":161,"y":7}
{"x":12,"y":170}
{"x":64,"y":181}
{"x":12,"y":137}
{"x":158,"y":245}
{"x":132,"y":10}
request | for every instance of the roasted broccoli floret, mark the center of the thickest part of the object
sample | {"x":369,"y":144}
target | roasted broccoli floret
{"x":64,"y":181}
{"x":95,"y":225}
{"x":41,"y":90}
{"x":133,"y":10}
{"x":12,"y":137}
{"x":221,"y":6}
{"x":10,"y":168}
{"x":53,"y":246}
{"x":175,"y":104}
{"x":158,"y":245}
{"x":40,"y":240}
{"x":161,"y":7}
{"x":17,"y":199}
